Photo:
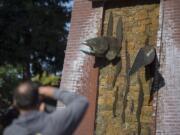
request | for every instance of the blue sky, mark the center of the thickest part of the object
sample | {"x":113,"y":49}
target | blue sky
{"x":68,"y":4}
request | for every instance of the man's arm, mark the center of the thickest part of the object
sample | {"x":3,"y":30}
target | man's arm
{"x":65,"y":121}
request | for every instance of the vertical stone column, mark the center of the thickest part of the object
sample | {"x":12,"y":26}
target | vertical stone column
{"x":168,"y":107}
{"x":79,"y":75}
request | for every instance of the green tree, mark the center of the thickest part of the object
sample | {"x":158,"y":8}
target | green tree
{"x":33,"y":34}
{"x":9,"y":77}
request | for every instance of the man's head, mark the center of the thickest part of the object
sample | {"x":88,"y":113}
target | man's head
{"x":26,"y":95}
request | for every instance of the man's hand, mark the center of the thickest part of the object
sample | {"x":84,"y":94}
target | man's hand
{"x":46,"y":91}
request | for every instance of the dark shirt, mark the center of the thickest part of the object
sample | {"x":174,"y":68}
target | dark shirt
{"x":60,"y":122}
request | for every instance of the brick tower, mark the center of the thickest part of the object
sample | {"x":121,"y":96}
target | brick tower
{"x":89,"y":19}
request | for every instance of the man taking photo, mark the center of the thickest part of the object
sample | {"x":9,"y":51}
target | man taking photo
{"x":32,"y":121}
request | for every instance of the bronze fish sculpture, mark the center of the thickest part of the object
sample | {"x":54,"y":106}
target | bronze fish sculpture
{"x":145,"y":57}
{"x":106,"y":46}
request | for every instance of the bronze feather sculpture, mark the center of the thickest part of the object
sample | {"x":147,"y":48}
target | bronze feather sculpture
{"x":106,"y":46}
{"x":145,"y":57}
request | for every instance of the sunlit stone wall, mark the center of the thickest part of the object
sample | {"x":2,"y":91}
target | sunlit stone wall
{"x":125,"y":109}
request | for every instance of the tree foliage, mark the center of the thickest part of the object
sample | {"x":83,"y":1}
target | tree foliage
{"x":33,"y":34}
{"x":9,"y":77}
{"x":47,"y":79}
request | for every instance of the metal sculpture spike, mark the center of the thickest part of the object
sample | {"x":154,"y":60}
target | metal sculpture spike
{"x":106,"y":46}
{"x":145,"y":56}
{"x":110,"y":26}
{"x":119,"y":30}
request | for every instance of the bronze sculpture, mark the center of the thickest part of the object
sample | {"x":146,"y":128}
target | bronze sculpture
{"x":106,"y":46}
{"x":145,"y":57}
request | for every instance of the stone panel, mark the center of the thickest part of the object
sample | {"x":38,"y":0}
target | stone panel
{"x":125,"y":109}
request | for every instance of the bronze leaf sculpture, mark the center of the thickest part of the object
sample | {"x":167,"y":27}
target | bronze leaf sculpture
{"x":106,"y":46}
{"x":145,"y":57}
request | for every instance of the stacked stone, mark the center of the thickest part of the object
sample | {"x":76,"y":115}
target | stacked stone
{"x":124,"y":109}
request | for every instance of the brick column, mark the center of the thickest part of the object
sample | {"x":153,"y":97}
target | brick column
{"x":78,"y":73}
{"x":168,"y":107}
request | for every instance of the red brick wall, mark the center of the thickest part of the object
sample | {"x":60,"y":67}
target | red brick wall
{"x":168,"y":107}
{"x":78,"y":72}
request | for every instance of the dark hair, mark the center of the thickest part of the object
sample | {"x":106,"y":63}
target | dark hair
{"x":29,"y":97}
